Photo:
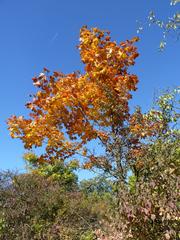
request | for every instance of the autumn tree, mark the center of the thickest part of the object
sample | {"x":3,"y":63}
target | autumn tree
{"x":71,"y":110}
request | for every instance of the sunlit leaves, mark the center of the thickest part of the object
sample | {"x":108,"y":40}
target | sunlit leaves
{"x":70,"y":110}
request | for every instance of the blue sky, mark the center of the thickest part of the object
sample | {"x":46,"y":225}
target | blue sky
{"x":44,"y":33}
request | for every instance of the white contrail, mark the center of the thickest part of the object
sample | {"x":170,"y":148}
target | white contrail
{"x":54,"y":37}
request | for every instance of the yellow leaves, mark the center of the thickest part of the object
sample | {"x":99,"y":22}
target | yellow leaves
{"x":135,"y":39}
{"x":88,"y":165}
{"x":109,"y":53}
{"x":84,"y":152}
{"x":122,"y":54}
{"x":95,"y":42}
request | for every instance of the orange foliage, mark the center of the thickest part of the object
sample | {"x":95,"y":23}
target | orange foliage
{"x":143,"y":125}
{"x":69,"y":110}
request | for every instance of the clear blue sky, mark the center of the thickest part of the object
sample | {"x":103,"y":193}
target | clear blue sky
{"x":44,"y":33}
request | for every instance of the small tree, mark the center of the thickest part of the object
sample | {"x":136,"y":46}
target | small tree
{"x":70,"y":111}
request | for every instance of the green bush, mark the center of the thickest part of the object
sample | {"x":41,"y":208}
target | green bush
{"x":34,"y":207}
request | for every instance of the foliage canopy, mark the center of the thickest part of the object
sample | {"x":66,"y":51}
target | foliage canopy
{"x":70,"y":110}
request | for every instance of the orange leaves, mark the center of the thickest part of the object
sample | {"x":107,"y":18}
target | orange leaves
{"x":144,"y":125}
{"x":104,"y":56}
{"x":88,"y":165}
{"x":106,"y":64}
{"x":69,"y":110}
